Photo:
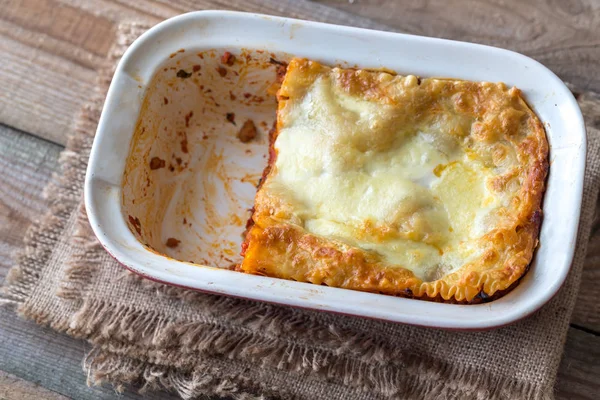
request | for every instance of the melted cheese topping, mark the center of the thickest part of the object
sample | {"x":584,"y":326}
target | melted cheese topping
{"x":389,"y":197}
{"x":397,"y":185}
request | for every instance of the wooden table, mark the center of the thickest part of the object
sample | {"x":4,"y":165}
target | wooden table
{"x":49,"y":53}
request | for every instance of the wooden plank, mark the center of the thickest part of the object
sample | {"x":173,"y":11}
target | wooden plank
{"x":122,"y":10}
{"x":15,"y":388}
{"x":27,"y":164}
{"x":579,"y":371}
{"x":564,"y":36}
{"x":48,"y":64}
{"x":51,"y":26}
{"x":156,"y":10}
{"x":587,"y":309}
{"x":42,"y":92}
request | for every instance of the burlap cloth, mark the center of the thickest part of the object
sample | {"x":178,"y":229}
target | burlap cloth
{"x":155,"y":336}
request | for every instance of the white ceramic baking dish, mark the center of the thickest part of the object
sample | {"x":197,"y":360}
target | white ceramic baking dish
{"x":109,"y":207}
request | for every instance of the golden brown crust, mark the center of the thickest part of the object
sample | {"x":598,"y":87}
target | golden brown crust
{"x":495,"y":125}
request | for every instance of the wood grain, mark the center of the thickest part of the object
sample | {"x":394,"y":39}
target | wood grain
{"x":27,"y":164}
{"x":42,"y":92}
{"x":563,"y":35}
{"x":14,"y":388}
{"x":72,"y":35}
{"x":579,"y":371}
{"x":587,"y":309}
{"x":61,"y":29}
{"x":48,"y":65}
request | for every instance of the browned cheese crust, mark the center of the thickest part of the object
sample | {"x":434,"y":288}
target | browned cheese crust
{"x":491,"y":122}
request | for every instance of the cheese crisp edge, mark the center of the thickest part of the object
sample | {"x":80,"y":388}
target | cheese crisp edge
{"x":278,"y":245}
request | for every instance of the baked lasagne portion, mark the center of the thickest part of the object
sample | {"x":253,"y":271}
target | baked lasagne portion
{"x":426,"y":188}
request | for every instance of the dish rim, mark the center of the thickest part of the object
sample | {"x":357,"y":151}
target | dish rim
{"x":215,"y":280}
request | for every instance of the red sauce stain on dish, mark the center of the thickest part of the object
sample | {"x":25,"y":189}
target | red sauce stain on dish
{"x":188,"y":116}
{"x":184,"y":144}
{"x":230,"y":117}
{"x":137,"y":225}
{"x":227,"y":58}
{"x":183,"y":74}
{"x":251,"y":178}
{"x":156,"y":163}
{"x":222,"y":71}
{"x":172,"y":243}
{"x":172,"y":134}
{"x":236,"y":220}
{"x":247,"y":131}
{"x":178,"y":51}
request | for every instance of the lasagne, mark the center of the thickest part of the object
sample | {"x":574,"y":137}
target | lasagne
{"x":423,"y":188}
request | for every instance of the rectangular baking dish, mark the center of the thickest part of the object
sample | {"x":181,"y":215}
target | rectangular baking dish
{"x":172,"y":43}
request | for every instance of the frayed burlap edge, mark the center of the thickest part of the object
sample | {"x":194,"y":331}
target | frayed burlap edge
{"x":136,"y":342}
{"x":113,"y":363}
{"x":156,"y":352}
{"x":207,"y":379}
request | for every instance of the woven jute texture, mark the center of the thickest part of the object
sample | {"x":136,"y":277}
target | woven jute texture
{"x":159,"y":337}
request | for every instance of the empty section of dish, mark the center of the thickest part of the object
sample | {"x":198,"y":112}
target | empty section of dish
{"x":198,"y":152}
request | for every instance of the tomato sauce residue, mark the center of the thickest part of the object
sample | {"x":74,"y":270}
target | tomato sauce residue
{"x":137,"y":225}
{"x":247,"y":132}
{"x":156,"y":163}
{"x":230,"y":117}
{"x":188,"y":116}
{"x":227,"y":58}
{"x":189,"y":128}
{"x":222,"y":71}
{"x":172,"y":242}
